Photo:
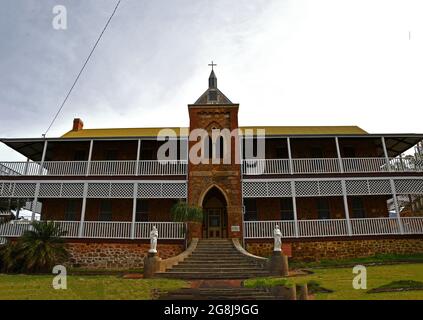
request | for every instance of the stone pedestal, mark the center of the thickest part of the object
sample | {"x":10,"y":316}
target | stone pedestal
{"x":278,"y":264}
{"x":285,"y":293}
{"x":303,"y":291}
{"x":151,"y":265}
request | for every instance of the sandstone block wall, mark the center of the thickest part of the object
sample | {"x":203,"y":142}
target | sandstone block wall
{"x":339,"y":249}
{"x":113,"y":256}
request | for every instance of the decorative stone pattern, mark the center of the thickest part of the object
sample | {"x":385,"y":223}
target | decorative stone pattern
{"x":116,"y":255}
{"x":339,"y":249}
{"x":227,"y":177}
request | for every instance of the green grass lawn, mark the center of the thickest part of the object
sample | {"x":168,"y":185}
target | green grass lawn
{"x":340,"y":281}
{"x":29,"y":287}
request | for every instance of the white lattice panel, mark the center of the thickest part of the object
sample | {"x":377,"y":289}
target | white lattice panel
{"x":50,"y":190}
{"x":149,"y":190}
{"x":24,"y":190}
{"x":7,"y":189}
{"x":122,"y":190}
{"x":253,"y":189}
{"x":330,"y":188}
{"x":98,"y":190}
{"x":174,"y":190}
{"x":279,"y":189}
{"x":357,"y":187}
{"x":380,"y":187}
{"x":72,"y":190}
{"x":409,"y":186}
{"x":306,"y":188}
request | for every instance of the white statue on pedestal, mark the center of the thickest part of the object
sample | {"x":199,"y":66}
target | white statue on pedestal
{"x":154,"y":234}
{"x":277,"y":234}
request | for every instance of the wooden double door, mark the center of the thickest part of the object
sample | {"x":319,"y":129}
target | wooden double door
{"x":214,"y":225}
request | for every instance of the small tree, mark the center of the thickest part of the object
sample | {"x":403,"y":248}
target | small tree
{"x":38,"y":250}
{"x":183,"y":212}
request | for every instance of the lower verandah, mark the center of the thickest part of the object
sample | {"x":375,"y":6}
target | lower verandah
{"x":256,"y":209}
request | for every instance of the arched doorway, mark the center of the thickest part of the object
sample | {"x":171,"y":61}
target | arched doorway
{"x":215,"y":215}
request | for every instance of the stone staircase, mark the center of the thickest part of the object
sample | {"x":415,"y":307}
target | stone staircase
{"x":236,"y":293}
{"x":216,"y":259}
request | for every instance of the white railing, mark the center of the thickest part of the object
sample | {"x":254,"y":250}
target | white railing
{"x":375,"y":226}
{"x":167,"y":230}
{"x":412,"y":225}
{"x":334,"y":227}
{"x":107,"y":230}
{"x":322,"y":165}
{"x":264,"y":229}
{"x":330,"y":165}
{"x":103,"y":229}
{"x":94,"y":168}
{"x":406,"y":164}
{"x":322,"y":228}
{"x":352,"y":165}
{"x":262,"y":166}
{"x":14,"y":228}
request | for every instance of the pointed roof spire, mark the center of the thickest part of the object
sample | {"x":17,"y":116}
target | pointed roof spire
{"x":212,"y":81}
{"x":212,"y":78}
{"x":213,"y":95}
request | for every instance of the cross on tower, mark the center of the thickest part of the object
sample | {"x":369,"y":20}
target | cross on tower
{"x":212,"y":65}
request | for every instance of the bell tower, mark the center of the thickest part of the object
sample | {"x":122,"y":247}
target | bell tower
{"x":218,"y":175}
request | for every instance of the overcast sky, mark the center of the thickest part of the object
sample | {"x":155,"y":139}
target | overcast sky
{"x":286,"y":62}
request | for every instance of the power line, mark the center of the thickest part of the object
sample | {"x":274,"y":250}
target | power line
{"x":83,"y":67}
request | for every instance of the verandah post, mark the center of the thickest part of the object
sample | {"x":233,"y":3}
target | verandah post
{"x":294,"y":208}
{"x":291,"y":164}
{"x":346,"y":210}
{"x":397,"y":210}
{"x":138,"y":157}
{"x":34,"y":202}
{"x":84,"y":205}
{"x":338,"y":152}
{"x":385,"y":153}
{"x":134,"y":210}
{"x":90,"y":153}
{"x":43,"y":157}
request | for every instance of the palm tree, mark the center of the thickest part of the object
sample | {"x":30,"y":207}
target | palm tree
{"x":182,"y":212}
{"x":38,"y":250}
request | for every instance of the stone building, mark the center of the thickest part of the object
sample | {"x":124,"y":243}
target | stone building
{"x":326,"y":187}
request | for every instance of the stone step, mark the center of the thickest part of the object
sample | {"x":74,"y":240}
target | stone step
{"x":215,"y":247}
{"x":218,"y":257}
{"x":211,"y":262}
{"x":217,"y":254}
{"x":211,"y":275}
{"x":220,"y":263}
{"x":234,"y":267}
{"x":217,"y":250}
{"x":212,"y":297}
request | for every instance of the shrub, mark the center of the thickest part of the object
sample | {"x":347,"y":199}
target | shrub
{"x":182,"y":212}
{"x":38,"y":250}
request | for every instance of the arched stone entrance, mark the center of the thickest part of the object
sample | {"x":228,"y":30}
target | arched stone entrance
{"x":215,"y":223}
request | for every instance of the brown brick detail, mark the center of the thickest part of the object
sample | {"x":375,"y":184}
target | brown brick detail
{"x":226,"y":177}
